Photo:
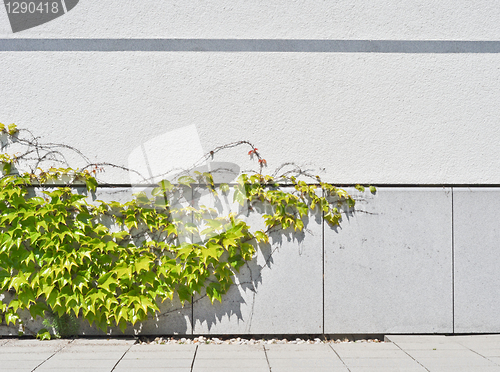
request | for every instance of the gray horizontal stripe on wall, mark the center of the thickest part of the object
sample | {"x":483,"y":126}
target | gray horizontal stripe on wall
{"x":249,"y":45}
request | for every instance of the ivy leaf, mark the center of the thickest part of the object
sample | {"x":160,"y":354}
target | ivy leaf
{"x":212,"y":250}
{"x":13,"y":129}
{"x":142,"y":264}
{"x":214,"y":292}
{"x":360,"y":188}
{"x":224,"y":187}
{"x":38,"y":310}
{"x":91,"y":183}
{"x":123,"y":270}
{"x":11,"y":318}
{"x":43,"y":335}
{"x":26,"y":296}
{"x":7,"y":167}
{"x":17,"y":281}
{"x":186,"y":181}
{"x":239,"y":196}
{"x":260,"y":236}
{"x":106,"y":281}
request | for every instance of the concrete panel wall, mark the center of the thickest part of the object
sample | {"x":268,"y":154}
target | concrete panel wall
{"x":280,"y":291}
{"x":408,"y":260}
{"x":388,"y":268}
{"x":477,"y":260}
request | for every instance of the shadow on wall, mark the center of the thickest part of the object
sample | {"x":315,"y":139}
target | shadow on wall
{"x":257,"y":288}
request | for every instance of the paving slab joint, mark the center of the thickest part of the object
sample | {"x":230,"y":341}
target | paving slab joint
{"x":55,"y":352}
{"x":194,"y":358}
{"x":335,"y":351}
{"x":267,"y":358}
{"x":404,"y":351}
{"x":119,"y":360}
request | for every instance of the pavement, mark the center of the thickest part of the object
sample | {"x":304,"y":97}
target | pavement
{"x":398,"y":353}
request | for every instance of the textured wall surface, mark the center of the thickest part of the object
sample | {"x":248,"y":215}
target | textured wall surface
{"x":411,"y":106}
{"x":295,"y":19}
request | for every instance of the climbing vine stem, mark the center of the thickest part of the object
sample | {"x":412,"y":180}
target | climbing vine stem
{"x":112,"y":263}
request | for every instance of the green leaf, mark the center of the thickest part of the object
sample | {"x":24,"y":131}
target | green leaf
{"x":142,"y":264}
{"x":224,"y":187}
{"x":360,"y":188}
{"x":11,"y":318}
{"x":7,"y":167}
{"x":186,"y":180}
{"x":123,"y":270}
{"x":106,"y":280}
{"x":91,"y":183}
{"x":373,"y":189}
{"x":13,"y":129}
{"x":260,"y":236}
{"x":212,"y":250}
{"x":43,"y":335}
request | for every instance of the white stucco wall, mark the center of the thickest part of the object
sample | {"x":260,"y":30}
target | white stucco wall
{"x":367,"y":117}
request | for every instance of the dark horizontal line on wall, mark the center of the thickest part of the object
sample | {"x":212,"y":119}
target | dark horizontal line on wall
{"x":249,"y":45}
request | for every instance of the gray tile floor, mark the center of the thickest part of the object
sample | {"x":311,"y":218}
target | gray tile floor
{"x":400,"y":353}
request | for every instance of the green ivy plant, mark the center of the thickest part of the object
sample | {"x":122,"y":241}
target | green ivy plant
{"x":112,"y":263}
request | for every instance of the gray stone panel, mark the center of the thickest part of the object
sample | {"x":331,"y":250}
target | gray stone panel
{"x":477,"y":259}
{"x":388,"y":268}
{"x":280,"y":290}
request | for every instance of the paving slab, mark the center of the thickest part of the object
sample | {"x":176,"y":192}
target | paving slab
{"x":364,"y":346}
{"x":309,"y":369}
{"x":231,"y":363}
{"x":299,"y":348}
{"x":463,"y":369}
{"x":370,"y":353}
{"x":29,"y":343}
{"x":208,"y":350}
{"x":84,"y":355}
{"x":306,"y":362}
{"x":494,"y":359}
{"x":56,"y":363}
{"x":387,"y":369}
{"x":28,"y":365}
{"x":166,"y":355}
{"x":425,"y":342}
{"x":381,"y":362}
{"x":139,"y":364}
{"x":26,"y":355}
{"x":444,"y":354}
{"x":459,"y":362}
{"x":73,"y":369}
{"x":103,"y":342}
{"x":492,"y":354}
{"x":163,"y":348}
{"x":230,"y":369}
{"x":165,"y":369}
{"x":486,"y":345}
